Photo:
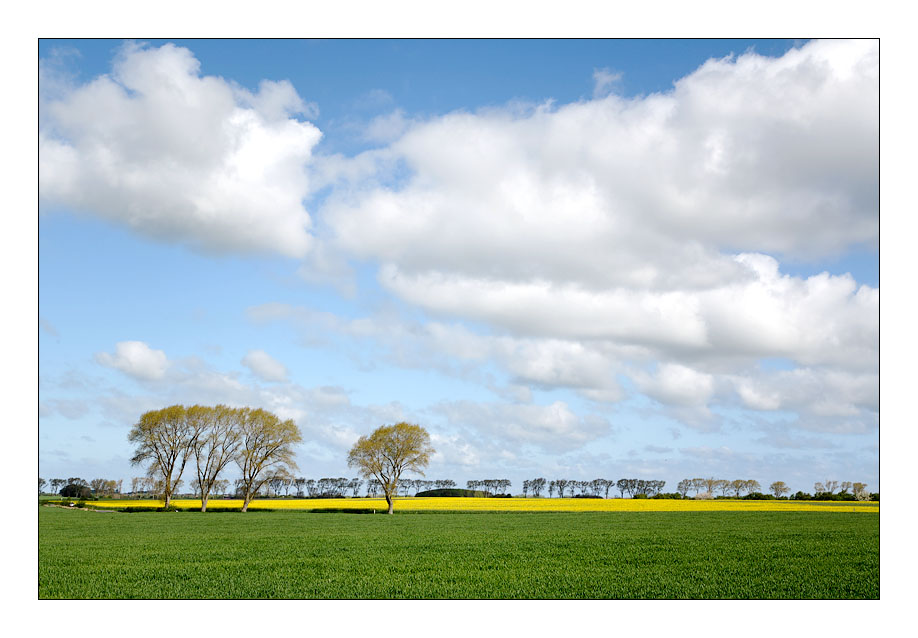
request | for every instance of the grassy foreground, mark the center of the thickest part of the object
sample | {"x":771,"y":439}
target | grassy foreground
{"x":442,"y":555}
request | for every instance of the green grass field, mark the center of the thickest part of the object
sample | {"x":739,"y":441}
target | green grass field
{"x":458,"y":555}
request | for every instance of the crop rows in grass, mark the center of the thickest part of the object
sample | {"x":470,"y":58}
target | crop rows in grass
{"x":481,"y":555}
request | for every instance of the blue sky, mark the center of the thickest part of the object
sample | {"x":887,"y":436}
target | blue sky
{"x":565,"y":258}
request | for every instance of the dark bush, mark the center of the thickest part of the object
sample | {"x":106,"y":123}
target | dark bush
{"x":825,"y":496}
{"x":758,"y":496}
{"x":802,"y":496}
{"x":640,"y":496}
{"x":76,"y":491}
{"x":875,"y":496}
{"x":675,"y":495}
{"x":586,"y":496}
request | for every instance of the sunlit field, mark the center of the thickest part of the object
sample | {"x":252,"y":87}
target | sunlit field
{"x":290,"y":554}
{"x":507,"y":505}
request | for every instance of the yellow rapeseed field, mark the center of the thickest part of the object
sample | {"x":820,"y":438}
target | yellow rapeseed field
{"x":515,"y":505}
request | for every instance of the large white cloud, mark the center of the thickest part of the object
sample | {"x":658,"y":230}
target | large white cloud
{"x":599,"y":237}
{"x":820,"y":320}
{"x":181,"y":157}
{"x":748,"y":155}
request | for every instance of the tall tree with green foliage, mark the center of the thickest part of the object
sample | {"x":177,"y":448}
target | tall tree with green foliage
{"x":266,"y":449}
{"x":216,"y":445}
{"x":164,"y":439}
{"x":779,"y":488}
{"x":390,"y":451}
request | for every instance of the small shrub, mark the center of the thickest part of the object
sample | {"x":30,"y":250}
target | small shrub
{"x":640,"y":496}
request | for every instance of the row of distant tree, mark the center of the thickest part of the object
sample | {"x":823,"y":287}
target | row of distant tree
{"x":282,"y":484}
{"x":279,"y":484}
{"x":709,"y":487}
{"x":596,"y":488}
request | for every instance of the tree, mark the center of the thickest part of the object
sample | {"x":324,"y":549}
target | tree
{"x":57,"y":484}
{"x":597,"y":486}
{"x":609,"y":484}
{"x":98,"y":486}
{"x":561,"y":485}
{"x":860,"y":491}
{"x":751,"y":486}
{"x":216,"y":444}
{"x":165,"y":439}
{"x":778,"y":488}
{"x":710,"y":484}
{"x":697,"y":485}
{"x":390,"y":451}
{"x":724,"y":486}
{"x":536,"y":485}
{"x":266,"y":449}
{"x":819,"y":488}
{"x":280,"y":478}
{"x":831,"y":486}
{"x":737,"y":486}
{"x":41,"y":484}
{"x":684,"y":486}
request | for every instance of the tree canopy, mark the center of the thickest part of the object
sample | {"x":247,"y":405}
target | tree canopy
{"x":390,"y":451}
{"x":259,"y":442}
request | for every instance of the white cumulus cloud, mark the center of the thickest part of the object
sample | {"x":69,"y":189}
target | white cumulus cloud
{"x":136,"y":359}
{"x":180,"y":156}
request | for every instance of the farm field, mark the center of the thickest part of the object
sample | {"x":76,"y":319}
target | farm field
{"x":508,"y":505}
{"x":592,"y":555}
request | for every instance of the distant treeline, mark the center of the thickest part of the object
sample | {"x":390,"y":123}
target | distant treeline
{"x":341,"y":487}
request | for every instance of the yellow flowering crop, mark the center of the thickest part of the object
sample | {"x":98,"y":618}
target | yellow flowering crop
{"x":514,"y":505}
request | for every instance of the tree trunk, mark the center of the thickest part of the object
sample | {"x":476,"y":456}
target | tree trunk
{"x":389,"y":501}
{"x":204,"y":502}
